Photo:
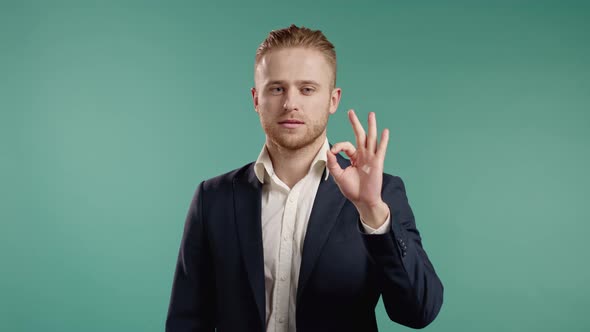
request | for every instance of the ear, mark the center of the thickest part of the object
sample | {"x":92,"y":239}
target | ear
{"x":255,"y":99}
{"x":335,"y":100}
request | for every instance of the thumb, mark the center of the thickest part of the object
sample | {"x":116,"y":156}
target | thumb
{"x":333,"y":166}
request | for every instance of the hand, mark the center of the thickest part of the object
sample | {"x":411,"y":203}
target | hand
{"x":361,"y":181}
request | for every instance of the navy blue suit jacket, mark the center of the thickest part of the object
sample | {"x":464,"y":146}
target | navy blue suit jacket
{"x":219,"y":277}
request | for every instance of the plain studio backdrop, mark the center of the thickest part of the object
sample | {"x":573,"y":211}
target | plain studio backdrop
{"x":112,"y":113}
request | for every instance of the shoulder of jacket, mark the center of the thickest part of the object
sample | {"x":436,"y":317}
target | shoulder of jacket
{"x":393,"y":181}
{"x":225,"y":180}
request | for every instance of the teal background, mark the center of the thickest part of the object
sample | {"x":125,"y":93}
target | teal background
{"x":112,"y":112}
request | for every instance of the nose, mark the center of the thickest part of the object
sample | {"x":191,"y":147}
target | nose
{"x":291,"y":100}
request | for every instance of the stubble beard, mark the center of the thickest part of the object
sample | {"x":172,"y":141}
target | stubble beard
{"x":285,"y":139}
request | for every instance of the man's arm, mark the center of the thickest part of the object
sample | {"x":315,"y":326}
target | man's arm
{"x":192,"y":302}
{"x":412,"y":292}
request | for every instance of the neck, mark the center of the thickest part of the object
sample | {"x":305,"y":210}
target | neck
{"x":292,"y":165}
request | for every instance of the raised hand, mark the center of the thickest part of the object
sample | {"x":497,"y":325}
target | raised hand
{"x":361,"y":181}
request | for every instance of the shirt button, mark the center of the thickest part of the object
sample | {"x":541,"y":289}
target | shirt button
{"x":281,"y":320}
{"x":285,"y":238}
{"x":283,"y":278}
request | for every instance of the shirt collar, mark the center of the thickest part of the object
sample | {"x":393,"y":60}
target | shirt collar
{"x":263,"y":164}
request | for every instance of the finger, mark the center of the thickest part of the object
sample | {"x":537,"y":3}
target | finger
{"x":372,"y":136}
{"x":347,"y":147}
{"x":382,"y":149}
{"x":359,"y":132}
{"x":333,"y":166}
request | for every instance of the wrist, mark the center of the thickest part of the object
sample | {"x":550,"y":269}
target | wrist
{"x":373,"y":215}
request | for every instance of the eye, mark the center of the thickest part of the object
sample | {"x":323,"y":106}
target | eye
{"x":307,"y":90}
{"x":275,"y":90}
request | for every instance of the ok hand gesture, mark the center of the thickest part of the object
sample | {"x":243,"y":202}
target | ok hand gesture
{"x":361,"y":181}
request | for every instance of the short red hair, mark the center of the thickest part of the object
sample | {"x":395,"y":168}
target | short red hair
{"x":295,"y":36}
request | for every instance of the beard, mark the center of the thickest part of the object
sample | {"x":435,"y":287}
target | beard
{"x":295,"y":139}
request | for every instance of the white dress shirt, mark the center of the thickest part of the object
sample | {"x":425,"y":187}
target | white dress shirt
{"x":285,"y":214}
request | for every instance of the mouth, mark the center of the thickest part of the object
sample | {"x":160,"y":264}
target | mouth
{"x":291,"y":123}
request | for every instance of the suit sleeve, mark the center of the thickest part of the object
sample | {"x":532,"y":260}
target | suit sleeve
{"x":192,"y":302}
{"x":412,"y":292}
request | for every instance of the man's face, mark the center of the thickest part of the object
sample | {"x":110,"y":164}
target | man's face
{"x":293,"y":96}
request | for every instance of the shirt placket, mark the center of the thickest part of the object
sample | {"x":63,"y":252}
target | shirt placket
{"x":285,"y":260}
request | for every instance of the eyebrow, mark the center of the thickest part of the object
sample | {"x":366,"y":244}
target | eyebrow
{"x":300,"y":82}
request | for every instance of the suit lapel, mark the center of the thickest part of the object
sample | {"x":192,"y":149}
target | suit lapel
{"x":326,"y":208}
{"x":247,"y":200}
{"x":247,"y":215}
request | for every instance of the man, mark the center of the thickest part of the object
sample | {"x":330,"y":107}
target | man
{"x":302,"y":239}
